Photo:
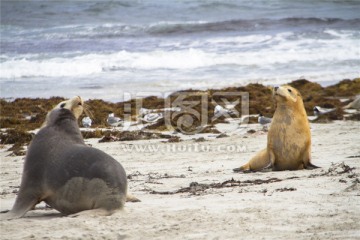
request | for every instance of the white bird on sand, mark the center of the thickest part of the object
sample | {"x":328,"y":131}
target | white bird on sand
{"x":86,"y":122}
{"x":114,"y":121}
{"x":321,"y":111}
{"x":219,"y":111}
{"x":153,"y":117}
{"x":264,"y":120}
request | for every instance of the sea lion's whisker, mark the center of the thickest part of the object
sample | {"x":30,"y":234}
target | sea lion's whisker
{"x":87,"y":110}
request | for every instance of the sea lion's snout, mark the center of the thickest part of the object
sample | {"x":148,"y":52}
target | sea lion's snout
{"x":80,"y":101}
{"x":274,"y":91}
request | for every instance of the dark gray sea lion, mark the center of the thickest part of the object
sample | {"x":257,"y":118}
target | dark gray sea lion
{"x":61,"y":170}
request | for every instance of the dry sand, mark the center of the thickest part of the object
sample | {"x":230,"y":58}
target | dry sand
{"x":317,"y":204}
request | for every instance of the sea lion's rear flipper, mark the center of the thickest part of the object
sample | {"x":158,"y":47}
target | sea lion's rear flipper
{"x":259,"y":162}
{"x":311,"y":166}
{"x":132,"y":198}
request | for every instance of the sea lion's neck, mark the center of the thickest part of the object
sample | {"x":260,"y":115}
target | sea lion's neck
{"x":71,"y":129}
{"x":287,"y":113}
{"x":64,"y":122}
{"x":283,"y":108}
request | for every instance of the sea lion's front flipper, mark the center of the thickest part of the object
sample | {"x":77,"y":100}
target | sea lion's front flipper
{"x":306,"y":158}
{"x":24,"y":202}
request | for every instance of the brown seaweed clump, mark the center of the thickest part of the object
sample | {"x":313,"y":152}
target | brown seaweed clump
{"x":98,"y":133}
{"x":344,"y":88}
{"x":112,"y":136}
{"x":19,"y":138}
{"x":315,"y":95}
{"x":26,"y":113}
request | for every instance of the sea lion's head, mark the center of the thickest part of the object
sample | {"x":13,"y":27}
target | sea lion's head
{"x":75,"y":105}
{"x":286,"y":94}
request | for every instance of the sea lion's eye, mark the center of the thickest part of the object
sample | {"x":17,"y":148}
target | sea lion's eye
{"x":62,"y":105}
{"x":289,"y":90}
{"x":79,"y":103}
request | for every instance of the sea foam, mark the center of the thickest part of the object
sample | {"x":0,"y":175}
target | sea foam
{"x":281,"y":51}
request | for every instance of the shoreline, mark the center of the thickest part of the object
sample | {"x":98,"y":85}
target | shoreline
{"x":323,"y":84}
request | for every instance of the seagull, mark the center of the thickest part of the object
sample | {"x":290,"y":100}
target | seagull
{"x":264,"y":120}
{"x":230,"y":106}
{"x":312,"y":118}
{"x":114,"y":121}
{"x":86,"y":122}
{"x":153,"y":117}
{"x":171,"y":109}
{"x":321,"y":111}
{"x":144,"y":111}
{"x":219,"y":111}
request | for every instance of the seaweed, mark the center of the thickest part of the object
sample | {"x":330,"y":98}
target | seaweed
{"x":25,"y":114}
{"x":111,"y":136}
{"x":195,"y":187}
{"x":18,"y":137}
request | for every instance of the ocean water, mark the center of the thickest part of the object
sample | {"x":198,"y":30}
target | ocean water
{"x":101,"y":49}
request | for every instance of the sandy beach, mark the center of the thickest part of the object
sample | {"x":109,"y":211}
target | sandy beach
{"x":173,"y":90}
{"x":189,"y":191}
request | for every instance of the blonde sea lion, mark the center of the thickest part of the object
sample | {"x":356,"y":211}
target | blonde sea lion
{"x":289,"y":137}
{"x":61,"y":170}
